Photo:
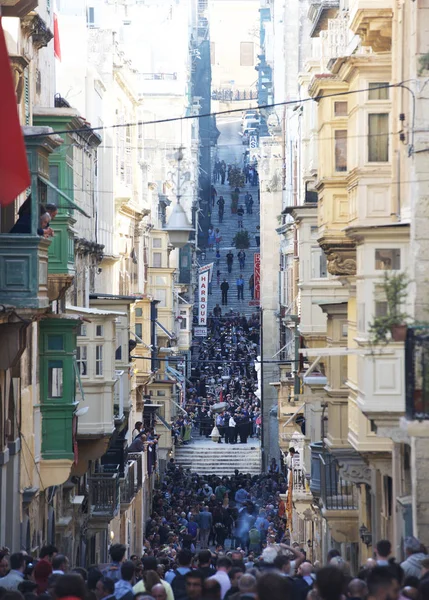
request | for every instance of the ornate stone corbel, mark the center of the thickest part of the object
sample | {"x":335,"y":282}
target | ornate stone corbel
{"x":356,"y":473}
{"x":33,"y":25}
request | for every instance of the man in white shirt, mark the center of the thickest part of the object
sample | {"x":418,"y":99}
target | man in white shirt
{"x":232,"y":431}
{"x":223,"y":567}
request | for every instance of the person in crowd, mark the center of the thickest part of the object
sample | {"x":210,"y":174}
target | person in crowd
{"x":60,"y":564}
{"x":258,"y":236}
{"x":223,"y":566}
{"x":16,"y":574}
{"x":137,"y":429}
{"x":383,"y":551}
{"x":415,"y":553}
{"x":240,"y":287}
{"x":229,"y":261}
{"x":252,"y":286}
{"x":48,"y":552}
{"x":194,"y":581}
{"x":124,"y":585}
{"x":105,"y":589}
{"x":117,"y":554}
{"x":224,"y":288}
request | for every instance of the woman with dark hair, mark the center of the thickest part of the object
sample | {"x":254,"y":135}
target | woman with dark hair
{"x":70,"y":585}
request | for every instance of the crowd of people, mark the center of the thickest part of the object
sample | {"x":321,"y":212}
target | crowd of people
{"x":221,"y":400}
{"x":211,"y":538}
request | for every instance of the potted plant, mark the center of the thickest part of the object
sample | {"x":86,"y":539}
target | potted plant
{"x":241,"y":240}
{"x":393,"y":325}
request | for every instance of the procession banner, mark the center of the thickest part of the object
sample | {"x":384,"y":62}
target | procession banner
{"x":204,"y":276}
{"x":257,"y":276}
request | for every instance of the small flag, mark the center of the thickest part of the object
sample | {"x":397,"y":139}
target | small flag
{"x":14,"y":174}
{"x":57,"y":47}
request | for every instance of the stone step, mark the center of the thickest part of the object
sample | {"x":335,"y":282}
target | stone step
{"x":220,"y":459}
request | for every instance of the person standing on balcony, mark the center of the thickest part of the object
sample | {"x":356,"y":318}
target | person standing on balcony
{"x":137,"y":429}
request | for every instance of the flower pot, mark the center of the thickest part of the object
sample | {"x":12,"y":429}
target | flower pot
{"x":399,"y":333}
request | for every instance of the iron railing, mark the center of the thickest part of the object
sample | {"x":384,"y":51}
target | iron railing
{"x":128,"y":484}
{"x":335,"y":492}
{"x":138,"y":457}
{"x":299,"y":480}
{"x":417,"y":373}
{"x":104,"y":494}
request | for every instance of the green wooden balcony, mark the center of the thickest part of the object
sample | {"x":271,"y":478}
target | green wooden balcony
{"x":57,"y":345}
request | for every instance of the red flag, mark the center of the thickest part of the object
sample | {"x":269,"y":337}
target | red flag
{"x":221,"y":395}
{"x":14,"y":174}
{"x":57,"y":47}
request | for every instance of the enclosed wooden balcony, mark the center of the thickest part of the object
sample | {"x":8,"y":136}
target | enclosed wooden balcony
{"x":417,"y":373}
{"x":372,"y":21}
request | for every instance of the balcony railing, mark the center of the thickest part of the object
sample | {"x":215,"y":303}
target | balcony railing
{"x":335,"y":492}
{"x":128,"y":484}
{"x":417,"y":373}
{"x":119,"y":394}
{"x":104,"y":494}
{"x":138,"y":457}
{"x":299,"y":480}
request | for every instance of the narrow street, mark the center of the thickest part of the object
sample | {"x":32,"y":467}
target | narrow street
{"x":231,"y":150}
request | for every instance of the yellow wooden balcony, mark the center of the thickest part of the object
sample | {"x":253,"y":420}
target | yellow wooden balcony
{"x":372,"y":21}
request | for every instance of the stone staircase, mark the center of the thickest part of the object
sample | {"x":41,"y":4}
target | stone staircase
{"x":228,"y":229}
{"x":220,"y":459}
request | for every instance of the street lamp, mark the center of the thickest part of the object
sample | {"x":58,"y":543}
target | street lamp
{"x":178,"y":225}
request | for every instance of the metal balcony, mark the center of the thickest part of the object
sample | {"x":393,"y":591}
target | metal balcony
{"x":104,"y":495}
{"x":335,"y":492}
{"x":128,"y":484}
{"x":417,"y":373}
{"x":138,"y":457}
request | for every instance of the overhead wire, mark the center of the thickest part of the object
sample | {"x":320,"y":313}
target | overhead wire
{"x":87,"y":129}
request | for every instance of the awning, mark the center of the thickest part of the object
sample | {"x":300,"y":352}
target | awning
{"x":63,"y":195}
{"x":170,"y":335}
{"x":97,"y":312}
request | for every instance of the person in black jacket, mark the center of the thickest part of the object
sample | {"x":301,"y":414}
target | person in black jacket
{"x":224,"y":288}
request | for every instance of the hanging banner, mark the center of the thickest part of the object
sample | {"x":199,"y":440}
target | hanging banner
{"x":257,"y":276}
{"x":204,"y":276}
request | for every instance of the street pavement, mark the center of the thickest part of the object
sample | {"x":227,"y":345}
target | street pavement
{"x":231,"y":150}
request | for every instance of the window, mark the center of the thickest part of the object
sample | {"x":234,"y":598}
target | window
{"x":183,"y":320}
{"x":91,"y":16}
{"x":377,"y":91}
{"x":246,"y":54}
{"x":160,"y":280}
{"x":340,"y":109}
{"x":341,"y":150}
{"x":55,"y":342}
{"x":318,"y":264}
{"x":388,"y":259}
{"x":82,"y":331}
{"x":380,"y":308}
{"x":344,"y":329}
{"x":314,"y":231}
{"x":157,"y":243}
{"x":160,"y":392}
{"x":99,"y":331}
{"x":54,"y":171}
{"x":157,"y":259}
{"x":161,"y":295}
{"x":138,"y":328}
{"x":212,"y":53}
{"x":99,"y":360}
{"x":82,"y":360}
{"x":55,"y":378}
{"x":139,"y":312}
{"x":378,"y":137}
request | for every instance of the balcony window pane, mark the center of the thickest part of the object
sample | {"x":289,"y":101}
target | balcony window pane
{"x":388,"y":259}
{"x":139,"y":330}
{"x":82,"y":360}
{"x":378,"y":137}
{"x":161,"y":296}
{"x":157,"y":259}
{"x":341,"y":150}
{"x":340,"y":109}
{"x":380,"y":308}
{"x":55,"y":342}
{"x":139,"y":312}
{"x":55,"y":378}
{"x":377,"y":91}
{"x":99,"y":360}
{"x":156,"y":243}
{"x":99,"y":332}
